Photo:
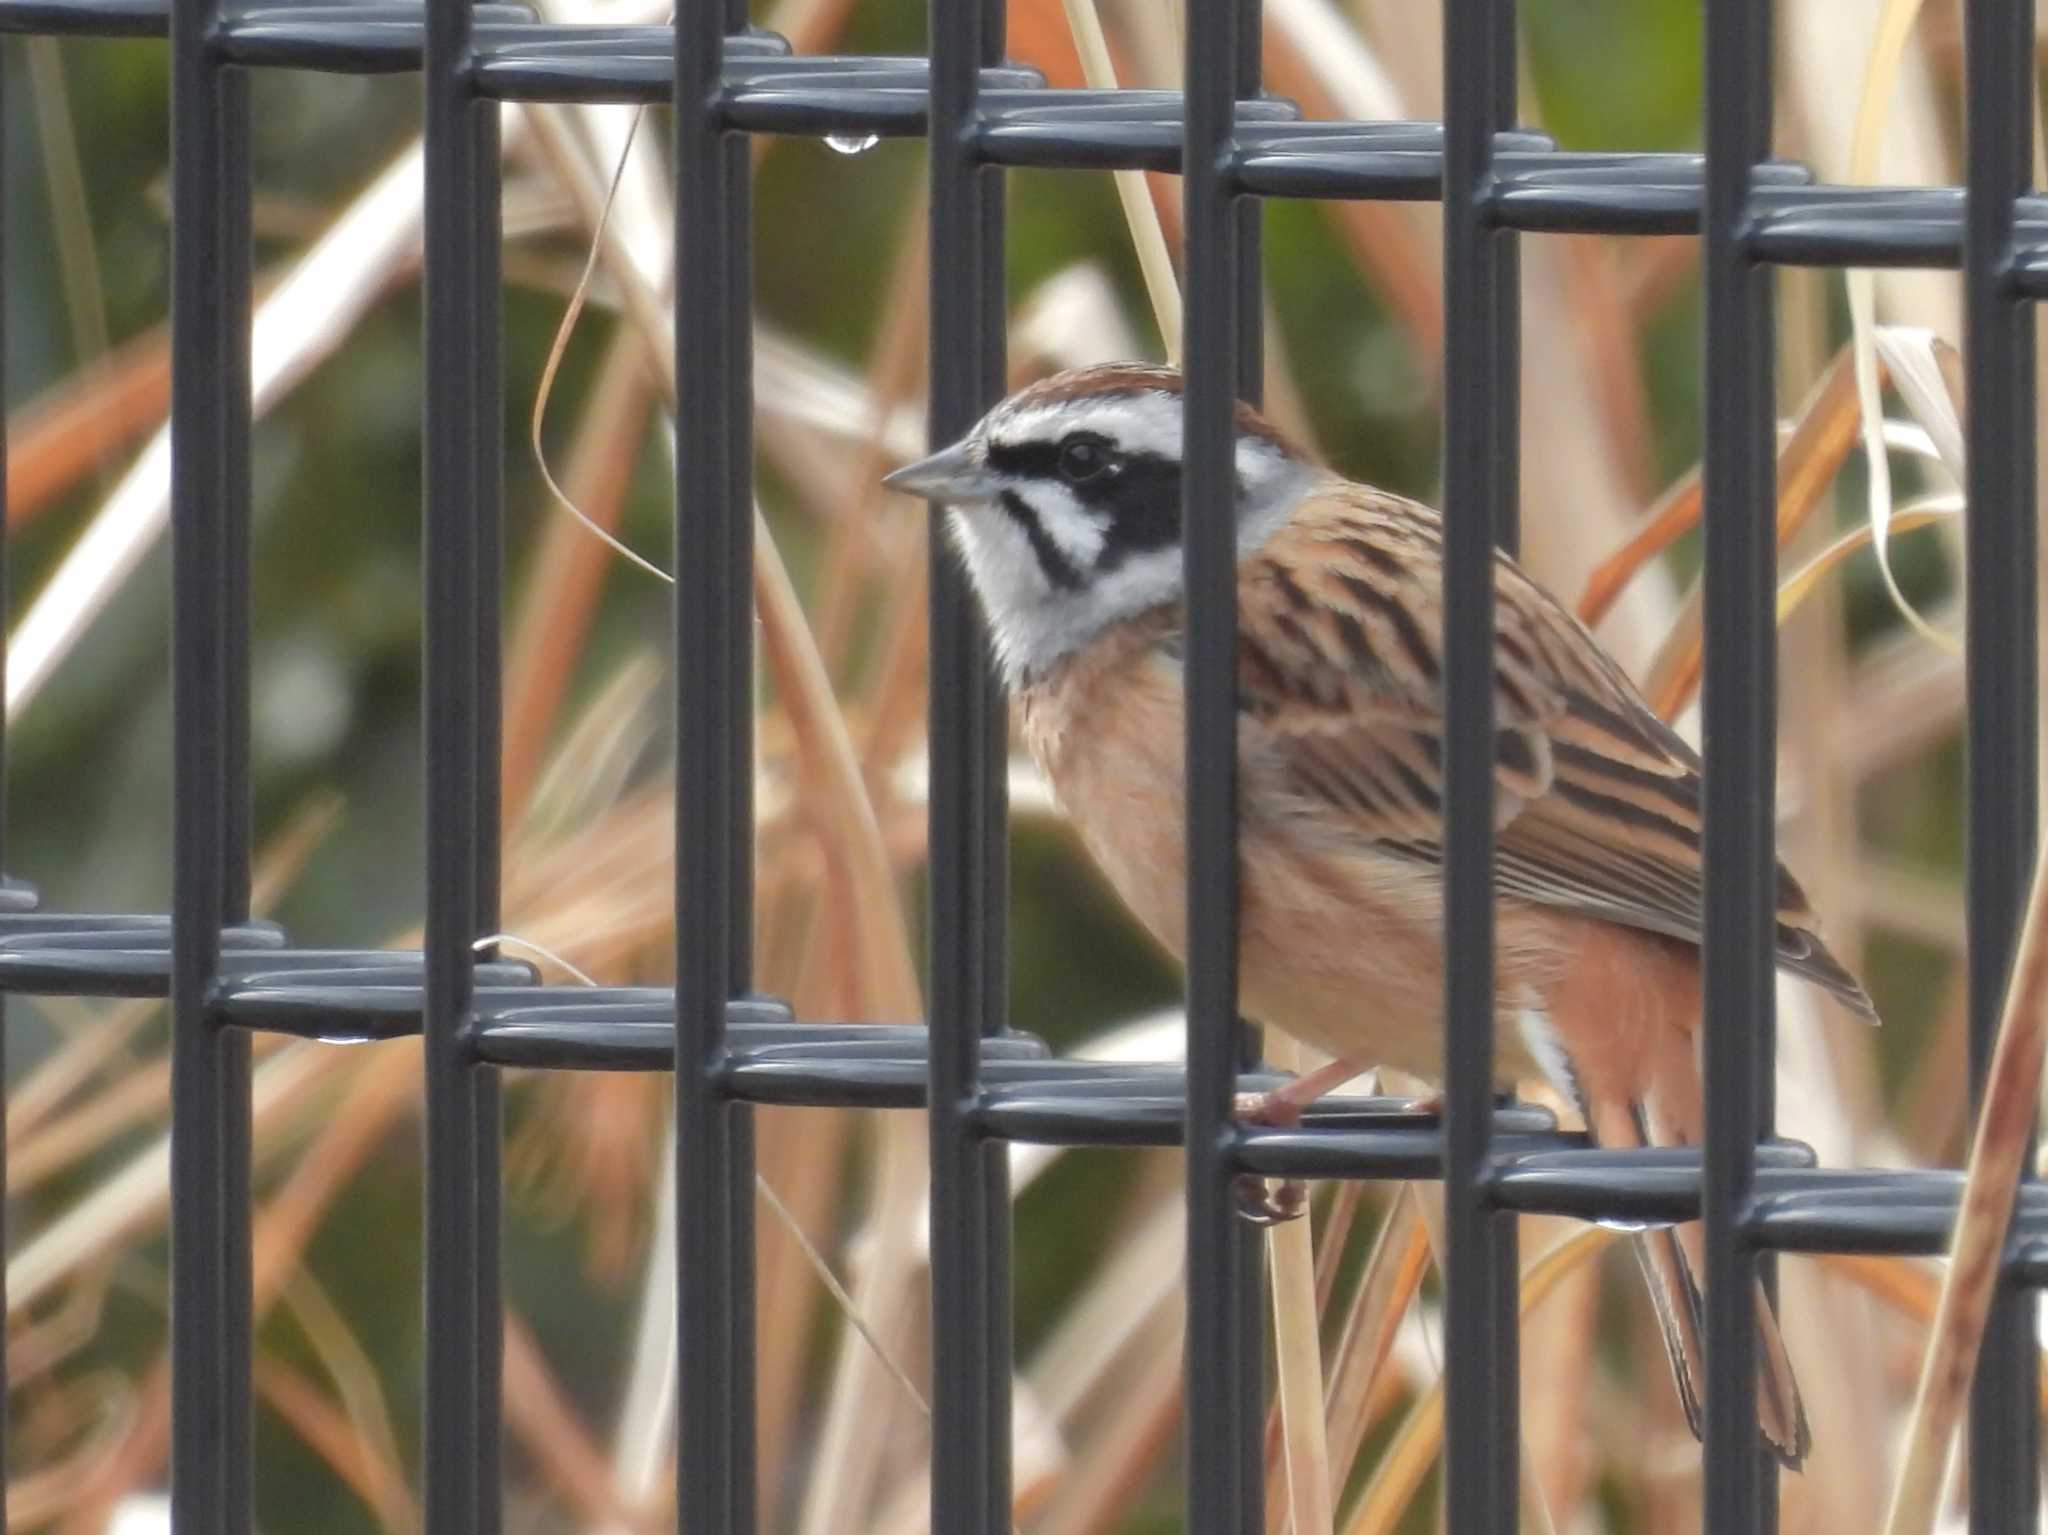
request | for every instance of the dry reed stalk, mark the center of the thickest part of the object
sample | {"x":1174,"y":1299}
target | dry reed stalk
{"x":865,"y":540}
{"x":1847,"y":1389}
{"x":1611,"y":334}
{"x":1038,"y":33}
{"x":1874,"y":108}
{"x":1395,"y":248}
{"x":2012,"y":1088}
{"x":1573,"y":498}
{"x":1141,"y":215}
{"x":1361,"y":1384}
{"x":788,"y":646}
{"x":1909,"y":1286}
{"x":37,"y":1498}
{"x":889,"y":987}
{"x":570,"y":567}
{"x":82,"y":421}
{"x":130,"y":1201}
{"x":36,"y":1346}
{"x":1561,"y":1460}
{"x":135,"y":1099}
{"x":347,"y":1363}
{"x":278,"y":1237}
{"x":79,"y":273}
{"x":1935,"y":1115}
{"x":1820,"y":106}
{"x":380,"y":1483}
{"x":1384,"y":1503}
{"x":1808,"y":459}
{"x":1905,"y":899}
{"x":835,"y":789}
{"x":1655,"y":271}
{"x":135,"y":1459}
{"x":1109,"y":1374}
{"x":52,"y":1081}
{"x":848,"y":1462}
{"x":1670,"y":517}
{"x":1340,"y":1216}
{"x":309,"y":314}
{"x":802,"y":1155}
{"x":1134,"y":1297}
{"x":1298,"y":1359}
{"x":1905,"y":697}
{"x":538,"y":1412}
{"x":1114,"y":1468}
{"x":382,"y":1088}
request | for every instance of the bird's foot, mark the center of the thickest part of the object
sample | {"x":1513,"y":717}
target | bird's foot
{"x":1270,"y":1201}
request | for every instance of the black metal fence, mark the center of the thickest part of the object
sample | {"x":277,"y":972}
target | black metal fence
{"x":225,"y":975}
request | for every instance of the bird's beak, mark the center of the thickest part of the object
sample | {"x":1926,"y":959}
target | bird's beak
{"x":951,"y":475}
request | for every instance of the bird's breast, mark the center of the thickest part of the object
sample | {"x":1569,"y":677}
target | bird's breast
{"x":1340,"y":946}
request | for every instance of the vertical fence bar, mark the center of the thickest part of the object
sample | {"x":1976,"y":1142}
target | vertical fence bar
{"x":487,"y":436}
{"x":2003,"y":683}
{"x":6,"y":1225}
{"x":232,"y":584}
{"x":210,"y":1282}
{"x":736,"y":228}
{"x":231,"y":595}
{"x":970,"y":1207}
{"x":1248,"y":1243}
{"x":1223,"y":1492}
{"x":461,"y":550}
{"x":1481,"y":357}
{"x":1738,"y":702}
{"x":713,"y":525}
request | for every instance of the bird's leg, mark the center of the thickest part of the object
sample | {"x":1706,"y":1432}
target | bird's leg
{"x":1283,"y":1106}
{"x":1266,"y":1204}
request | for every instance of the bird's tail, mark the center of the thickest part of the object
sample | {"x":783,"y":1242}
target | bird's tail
{"x":1671,"y":1260}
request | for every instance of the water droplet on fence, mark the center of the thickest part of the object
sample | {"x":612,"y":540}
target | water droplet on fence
{"x":852,"y":143}
{"x":347,"y":1039}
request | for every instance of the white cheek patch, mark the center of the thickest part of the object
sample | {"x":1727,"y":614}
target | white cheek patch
{"x":1011,"y":582}
{"x":1140,"y":582}
{"x":1077,"y":532}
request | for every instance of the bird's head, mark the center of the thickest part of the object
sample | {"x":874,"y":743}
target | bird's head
{"x":1065,"y":503}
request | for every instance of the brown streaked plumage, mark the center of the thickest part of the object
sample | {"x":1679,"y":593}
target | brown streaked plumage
{"x":1065,"y":503}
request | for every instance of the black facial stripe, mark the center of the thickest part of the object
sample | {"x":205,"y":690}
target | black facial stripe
{"x":1035,"y":460}
{"x":1137,"y":495}
{"x":1052,"y":559}
{"x":1142,"y":503}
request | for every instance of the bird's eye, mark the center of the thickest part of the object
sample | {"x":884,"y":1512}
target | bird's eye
{"x":1083,"y":458}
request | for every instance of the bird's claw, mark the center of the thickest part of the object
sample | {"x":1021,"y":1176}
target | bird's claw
{"x":1262,"y":1201}
{"x":1266,"y":1202}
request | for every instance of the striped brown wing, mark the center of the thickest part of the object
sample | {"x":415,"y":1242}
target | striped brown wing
{"x":1341,"y":684}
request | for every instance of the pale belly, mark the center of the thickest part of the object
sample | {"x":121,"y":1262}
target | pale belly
{"x":1343,"y":952}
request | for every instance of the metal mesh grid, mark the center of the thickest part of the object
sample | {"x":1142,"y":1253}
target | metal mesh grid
{"x":225,"y":975}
